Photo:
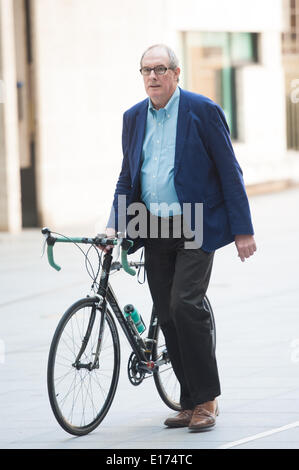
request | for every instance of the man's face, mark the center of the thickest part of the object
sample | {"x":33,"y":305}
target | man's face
{"x":159,"y":87}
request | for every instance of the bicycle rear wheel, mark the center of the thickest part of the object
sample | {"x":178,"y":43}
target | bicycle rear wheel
{"x":165,"y":379}
{"x":80,"y":396}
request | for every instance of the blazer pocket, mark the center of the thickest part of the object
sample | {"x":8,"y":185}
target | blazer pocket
{"x":214,"y":199}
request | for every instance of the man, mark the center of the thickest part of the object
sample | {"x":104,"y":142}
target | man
{"x":177,"y":150}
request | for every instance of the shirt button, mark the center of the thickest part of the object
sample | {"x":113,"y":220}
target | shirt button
{"x":158,"y":141}
{"x":168,"y":115}
{"x":155,"y":158}
{"x":154,"y":176}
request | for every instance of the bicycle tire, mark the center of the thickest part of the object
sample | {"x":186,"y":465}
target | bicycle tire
{"x":75,"y":382}
{"x":208,"y":306}
{"x":169,"y":388}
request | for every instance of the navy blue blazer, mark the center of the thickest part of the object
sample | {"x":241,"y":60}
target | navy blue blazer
{"x":205,"y":170}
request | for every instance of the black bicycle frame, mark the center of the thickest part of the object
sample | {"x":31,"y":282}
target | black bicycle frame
{"x":106,"y":292}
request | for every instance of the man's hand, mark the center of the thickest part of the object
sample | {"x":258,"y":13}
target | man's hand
{"x":111,"y":233}
{"x":245,"y":245}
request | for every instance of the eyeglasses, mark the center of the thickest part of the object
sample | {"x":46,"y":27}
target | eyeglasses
{"x":159,"y":70}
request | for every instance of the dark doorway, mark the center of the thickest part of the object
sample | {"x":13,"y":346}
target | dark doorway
{"x":26,"y":111}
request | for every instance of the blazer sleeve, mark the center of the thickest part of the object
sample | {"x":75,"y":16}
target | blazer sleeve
{"x":123,"y":185}
{"x":231,"y":175}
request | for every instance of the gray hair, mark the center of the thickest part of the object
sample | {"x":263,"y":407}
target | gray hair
{"x":173,"y":60}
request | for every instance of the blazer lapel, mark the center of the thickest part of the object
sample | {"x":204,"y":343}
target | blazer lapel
{"x":182,"y":128}
{"x":140,"y":125}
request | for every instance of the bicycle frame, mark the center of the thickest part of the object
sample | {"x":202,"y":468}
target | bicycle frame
{"x":105,"y":294}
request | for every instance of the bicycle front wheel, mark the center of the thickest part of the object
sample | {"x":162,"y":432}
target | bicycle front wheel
{"x":82,"y":392}
{"x":165,"y":379}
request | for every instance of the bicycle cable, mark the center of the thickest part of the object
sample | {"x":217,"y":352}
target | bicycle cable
{"x":139,"y":269}
{"x":94,"y":277}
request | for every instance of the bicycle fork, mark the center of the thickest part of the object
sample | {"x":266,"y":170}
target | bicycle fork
{"x":101,"y":305}
{"x":95,"y":363}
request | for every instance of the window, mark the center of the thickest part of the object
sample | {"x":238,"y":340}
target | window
{"x":212,"y":60}
{"x":290,"y":51}
{"x":290,"y":36}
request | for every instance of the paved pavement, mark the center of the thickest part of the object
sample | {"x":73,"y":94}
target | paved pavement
{"x":256,"y":307}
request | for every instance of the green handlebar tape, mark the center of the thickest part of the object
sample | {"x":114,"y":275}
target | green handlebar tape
{"x":124,"y":260}
{"x":51,"y":258}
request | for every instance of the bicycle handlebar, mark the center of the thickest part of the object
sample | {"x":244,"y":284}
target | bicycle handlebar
{"x":104,"y":241}
{"x":126,"y":245}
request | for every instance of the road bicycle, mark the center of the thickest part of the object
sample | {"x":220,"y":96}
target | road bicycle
{"x":84,"y":357}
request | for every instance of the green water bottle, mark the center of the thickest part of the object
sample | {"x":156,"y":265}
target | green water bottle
{"x":130,"y":311}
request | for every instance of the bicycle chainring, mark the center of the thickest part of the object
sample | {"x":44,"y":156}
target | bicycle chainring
{"x":136,"y":375}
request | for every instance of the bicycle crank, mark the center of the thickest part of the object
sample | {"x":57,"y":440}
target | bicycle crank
{"x":135,"y":372}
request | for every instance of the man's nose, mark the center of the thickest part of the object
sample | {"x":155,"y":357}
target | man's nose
{"x":152,"y":74}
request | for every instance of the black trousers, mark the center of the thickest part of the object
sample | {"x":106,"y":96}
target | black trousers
{"x":178,"y":279}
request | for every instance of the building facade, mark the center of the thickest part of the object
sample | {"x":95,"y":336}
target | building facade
{"x":69,"y":69}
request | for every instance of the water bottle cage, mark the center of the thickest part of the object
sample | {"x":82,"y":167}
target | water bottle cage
{"x":135,"y":319}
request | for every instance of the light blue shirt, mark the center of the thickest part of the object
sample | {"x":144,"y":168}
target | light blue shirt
{"x":158,"y":153}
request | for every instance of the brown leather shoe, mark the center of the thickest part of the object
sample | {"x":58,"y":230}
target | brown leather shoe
{"x":204,"y":416}
{"x":180,"y":420}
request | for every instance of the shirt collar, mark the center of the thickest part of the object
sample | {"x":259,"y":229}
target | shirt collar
{"x":175,"y":96}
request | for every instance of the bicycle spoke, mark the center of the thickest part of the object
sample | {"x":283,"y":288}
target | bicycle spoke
{"x":165,"y":378}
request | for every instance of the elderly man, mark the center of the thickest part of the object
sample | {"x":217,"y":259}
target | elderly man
{"x":177,"y":150}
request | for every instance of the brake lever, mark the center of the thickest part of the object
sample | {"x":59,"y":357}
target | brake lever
{"x":46,"y":232}
{"x":120,"y":236}
{"x":44,"y":248}
{"x":117,"y":251}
